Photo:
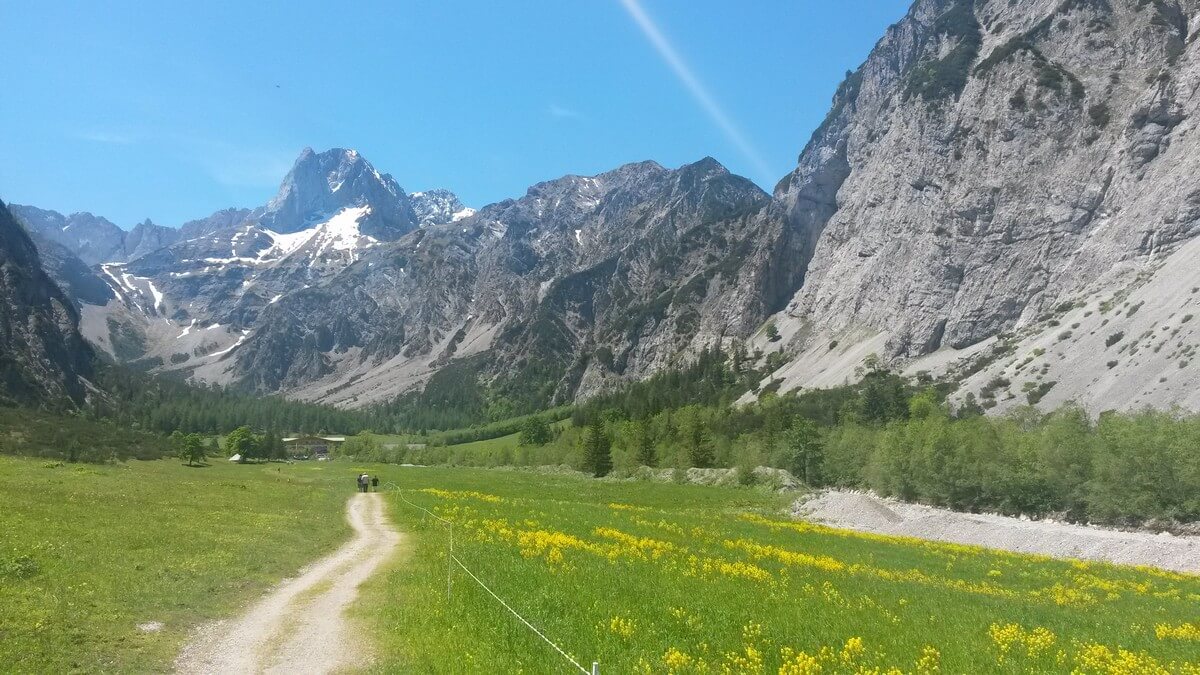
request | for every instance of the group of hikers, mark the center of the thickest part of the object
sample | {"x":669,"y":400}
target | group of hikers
{"x":366,"y":483}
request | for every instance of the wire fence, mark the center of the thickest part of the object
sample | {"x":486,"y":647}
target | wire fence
{"x":452,"y":560}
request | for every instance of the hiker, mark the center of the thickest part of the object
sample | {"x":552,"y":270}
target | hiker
{"x":375,"y":483}
{"x":362,"y":483}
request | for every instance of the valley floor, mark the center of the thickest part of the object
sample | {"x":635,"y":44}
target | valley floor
{"x":868,"y":513}
{"x":113,"y":568}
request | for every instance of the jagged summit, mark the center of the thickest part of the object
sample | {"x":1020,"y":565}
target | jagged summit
{"x":320,"y":185}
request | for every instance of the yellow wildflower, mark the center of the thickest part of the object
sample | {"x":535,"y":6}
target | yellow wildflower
{"x":1184,"y":631}
{"x":852,"y":651}
{"x":930,"y":661}
{"x":676,"y":660}
{"x":622,"y":627}
{"x":798,"y":663}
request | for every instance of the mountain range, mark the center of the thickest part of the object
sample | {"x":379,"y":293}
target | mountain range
{"x":1001,"y":196}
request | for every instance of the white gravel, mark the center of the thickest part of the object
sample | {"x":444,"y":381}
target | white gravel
{"x":300,"y":627}
{"x":869,"y":513}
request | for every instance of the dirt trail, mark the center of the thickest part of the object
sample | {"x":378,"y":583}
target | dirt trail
{"x":299,"y":627}
{"x":866,"y":512}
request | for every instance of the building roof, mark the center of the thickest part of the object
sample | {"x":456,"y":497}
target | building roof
{"x":331,"y":439}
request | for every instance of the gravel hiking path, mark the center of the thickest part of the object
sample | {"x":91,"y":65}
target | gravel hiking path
{"x":300,"y":627}
{"x":868,"y":513}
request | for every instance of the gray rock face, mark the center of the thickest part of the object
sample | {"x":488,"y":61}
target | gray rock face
{"x":225,"y":219}
{"x":433,"y":207}
{"x":146,"y":237}
{"x":989,"y":161}
{"x":79,"y":281}
{"x":43,"y":358}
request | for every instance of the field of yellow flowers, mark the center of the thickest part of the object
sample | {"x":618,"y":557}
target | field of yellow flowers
{"x":652,"y":578}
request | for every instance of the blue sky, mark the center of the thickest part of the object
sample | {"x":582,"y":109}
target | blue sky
{"x":174,"y":110}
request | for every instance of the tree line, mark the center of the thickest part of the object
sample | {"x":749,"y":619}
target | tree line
{"x":895,"y":435}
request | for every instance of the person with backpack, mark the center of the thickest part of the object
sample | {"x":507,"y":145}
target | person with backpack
{"x":375,"y":483}
{"x":362,"y":482}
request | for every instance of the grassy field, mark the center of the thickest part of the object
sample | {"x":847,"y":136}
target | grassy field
{"x":674,"y":578}
{"x":491,"y":446}
{"x":498,"y":451}
{"x":87,"y":553}
{"x":640,"y":577}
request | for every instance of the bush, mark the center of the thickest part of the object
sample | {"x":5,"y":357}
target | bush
{"x":1099,"y":115}
{"x":1037,"y":393}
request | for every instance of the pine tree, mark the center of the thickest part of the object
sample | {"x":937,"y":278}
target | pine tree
{"x":643,"y":444}
{"x":273,"y":447}
{"x":597,"y":449}
{"x":694,"y":431}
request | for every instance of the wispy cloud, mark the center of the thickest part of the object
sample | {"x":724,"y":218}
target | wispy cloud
{"x":107,"y":137}
{"x":695,"y":87}
{"x":563,"y":112}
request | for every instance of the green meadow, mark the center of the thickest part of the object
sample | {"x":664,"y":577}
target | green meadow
{"x":672,"y":578}
{"x":90,"y":552}
{"x":642,"y":577}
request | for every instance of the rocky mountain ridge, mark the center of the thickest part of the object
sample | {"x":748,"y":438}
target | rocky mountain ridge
{"x":581,"y":283}
{"x":94,"y":239}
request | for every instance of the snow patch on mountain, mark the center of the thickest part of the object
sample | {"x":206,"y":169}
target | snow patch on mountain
{"x":341,"y":233}
{"x":154,"y":292}
{"x":235,"y":345}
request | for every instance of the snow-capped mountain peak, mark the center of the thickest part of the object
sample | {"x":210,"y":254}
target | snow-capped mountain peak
{"x":320,"y":185}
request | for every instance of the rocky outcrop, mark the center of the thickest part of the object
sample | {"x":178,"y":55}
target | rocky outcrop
{"x":225,"y":219}
{"x":43,"y":358}
{"x":146,"y":237}
{"x":438,"y":206}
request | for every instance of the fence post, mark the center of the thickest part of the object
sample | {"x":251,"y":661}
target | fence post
{"x":449,"y":562}
{"x":595,"y":668}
